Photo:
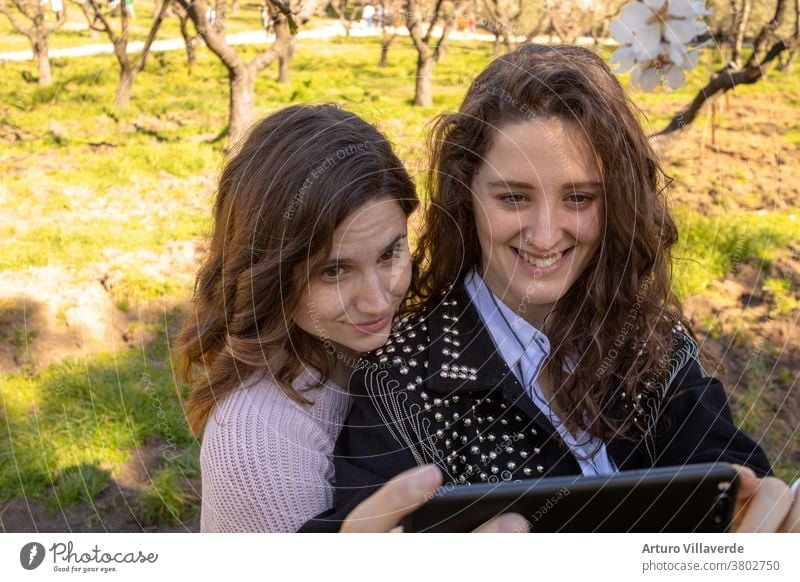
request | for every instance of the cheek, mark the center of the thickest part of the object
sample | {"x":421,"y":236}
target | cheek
{"x":482,"y":220}
{"x":589,"y":228}
{"x":304,"y":314}
{"x":401,"y":278}
{"x":318,"y":307}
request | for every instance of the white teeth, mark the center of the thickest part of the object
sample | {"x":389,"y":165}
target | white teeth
{"x":537,"y":262}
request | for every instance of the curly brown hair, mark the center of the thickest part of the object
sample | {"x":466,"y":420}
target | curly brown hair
{"x":615,"y":324}
{"x":299,"y":173}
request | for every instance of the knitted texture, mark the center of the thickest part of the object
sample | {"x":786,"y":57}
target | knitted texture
{"x":266,"y":461}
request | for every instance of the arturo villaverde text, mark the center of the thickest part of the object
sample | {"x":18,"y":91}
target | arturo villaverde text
{"x":692,"y":548}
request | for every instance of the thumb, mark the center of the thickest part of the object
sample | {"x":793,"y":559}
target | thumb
{"x":399,"y":497}
{"x":748,"y":483}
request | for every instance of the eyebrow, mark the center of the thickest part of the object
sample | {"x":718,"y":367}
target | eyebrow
{"x":333,"y":262}
{"x":528,"y":186}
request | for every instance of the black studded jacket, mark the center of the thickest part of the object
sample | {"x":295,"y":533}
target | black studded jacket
{"x":438,"y":392}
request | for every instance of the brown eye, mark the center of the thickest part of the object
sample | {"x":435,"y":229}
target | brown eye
{"x":333,"y":272}
{"x":579,"y":198}
{"x":392,"y":253}
{"x":513,"y":198}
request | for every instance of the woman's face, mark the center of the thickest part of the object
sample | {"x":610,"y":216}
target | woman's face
{"x":349,"y":303}
{"x":538,"y":208}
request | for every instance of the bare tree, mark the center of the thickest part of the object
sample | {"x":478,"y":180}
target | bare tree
{"x":767,"y":47}
{"x":390,"y":21}
{"x":284,"y":35}
{"x":421,"y":26}
{"x":567,"y":19}
{"x":340,"y":7}
{"x":740,"y":14}
{"x":503,"y":16}
{"x":189,"y":36}
{"x":538,"y":28}
{"x":38,"y":29}
{"x":241,"y":74}
{"x":100,"y":19}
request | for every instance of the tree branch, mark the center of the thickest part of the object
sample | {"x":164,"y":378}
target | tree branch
{"x":433,"y":21}
{"x":62,"y":18}
{"x":14,"y":22}
{"x":725,"y":80}
{"x":215,"y":40}
{"x":767,"y":31}
{"x":266,"y":58}
{"x":458,"y":10}
{"x":151,"y":36}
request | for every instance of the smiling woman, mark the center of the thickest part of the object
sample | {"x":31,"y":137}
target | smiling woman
{"x":538,"y":217}
{"x":350,"y":302}
{"x":308,"y":263}
{"x":548,"y":340}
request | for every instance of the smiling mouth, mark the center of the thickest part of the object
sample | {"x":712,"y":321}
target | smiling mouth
{"x":541,"y":262}
{"x":373,"y":326}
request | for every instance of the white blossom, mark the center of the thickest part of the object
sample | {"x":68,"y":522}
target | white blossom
{"x":655,"y":38}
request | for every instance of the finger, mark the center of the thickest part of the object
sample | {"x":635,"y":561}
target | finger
{"x":506,"y":523}
{"x":748,"y":482}
{"x":767,"y":507}
{"x":397,"y":498}
{"x":792,"y":521}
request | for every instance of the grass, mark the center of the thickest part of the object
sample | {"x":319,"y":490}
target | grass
{"x":90,"y":411}
{"x":81,"y":483}
{"x":116,"y":188}
{"x":713,"y":246}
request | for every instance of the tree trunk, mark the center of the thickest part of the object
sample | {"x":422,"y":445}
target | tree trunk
{"x":496,"y":45}
{"x":509,"y":42}
{"x":384,"y":56}
{"x":282,"y":33}
{"x":126,"y":77}
{"x":242,"y":94}
{"x":42,"y":56}
{"x":741,"y":16}
{"x":386,"y":42}
{"x":423,"y":93}
{"x":190,"y":41}
{"x":284,"y":76}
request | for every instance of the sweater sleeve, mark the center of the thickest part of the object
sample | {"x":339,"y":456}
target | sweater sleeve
{"x":265,"y":461}
{"x":365,"y":457}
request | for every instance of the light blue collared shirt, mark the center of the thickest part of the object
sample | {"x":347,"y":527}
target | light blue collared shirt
{"x":524,"y":348}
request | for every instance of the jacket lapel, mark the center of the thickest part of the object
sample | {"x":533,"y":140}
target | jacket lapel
{"x":463,"y":358}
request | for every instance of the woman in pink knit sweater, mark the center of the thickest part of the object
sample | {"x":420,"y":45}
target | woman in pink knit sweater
{"x":307,"y":266}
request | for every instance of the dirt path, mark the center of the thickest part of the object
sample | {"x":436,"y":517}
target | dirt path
{"x":253,"y":37}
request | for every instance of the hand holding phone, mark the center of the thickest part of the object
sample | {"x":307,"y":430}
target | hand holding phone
{"x":691,"y":498}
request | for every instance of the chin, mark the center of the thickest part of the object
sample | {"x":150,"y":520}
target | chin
{"x":374,"y":342}
{"x":363,"y":345}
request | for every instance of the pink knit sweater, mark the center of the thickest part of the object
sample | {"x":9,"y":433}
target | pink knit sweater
{"x":267,"y":461}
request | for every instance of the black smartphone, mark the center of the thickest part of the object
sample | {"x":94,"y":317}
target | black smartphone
{"x":689,"y":498}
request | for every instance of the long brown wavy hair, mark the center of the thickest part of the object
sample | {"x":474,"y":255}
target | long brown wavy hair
{"x":299,"y":173}
{"x":615,"y":324}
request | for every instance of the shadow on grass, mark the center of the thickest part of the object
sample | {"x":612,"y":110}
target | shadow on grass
{"x":761,"y":380}
{"x":100,"y":443}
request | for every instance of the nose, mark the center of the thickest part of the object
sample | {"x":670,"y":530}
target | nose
{"x":544,"y":229}
{"x":374,"y":296}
